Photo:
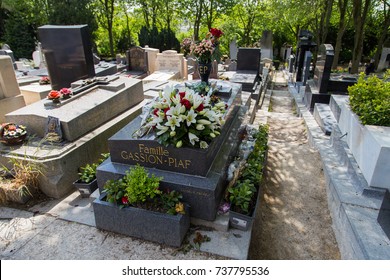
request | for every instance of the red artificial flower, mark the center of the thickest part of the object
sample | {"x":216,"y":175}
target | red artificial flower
{"x":53,"y":94}
{"x":165,"y":111}
{"x":216,"y":32}
{"x":11,"y":127}
{"x":200,"y":107}
{"x":182,"y":94}
{"x":186,"y":103}
{"x":155,"y":112}
{"x":65,"y":91}
{"x":125,"y":200}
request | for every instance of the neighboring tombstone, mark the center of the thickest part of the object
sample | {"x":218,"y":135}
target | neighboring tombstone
{"x":248,"y":59}
{"x":191,"y":64}
{"x":266,"y":45}
{"x":306,"y":66}
{"x":53,"y":132}
{"x":214,"y":70}
{"x":291,"y":62}
{"x":7,"y":51}
{"x":304,"y":44}
{"x":384,"y":60}
{"x":323,"y":67}
{"x":10,"y":97}
{"x":68,"y":53}
{"x":36,"y":55}
{"x":96,"y":59}
{"x":137,"y":59}
{"x":287,"y":53}
{"x":233,"y":50}
{"x":152,"y":57}
{"x":232,"y":66}
{"x":172,"y":61}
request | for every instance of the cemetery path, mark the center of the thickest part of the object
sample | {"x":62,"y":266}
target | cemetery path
{"x":293,"y":221}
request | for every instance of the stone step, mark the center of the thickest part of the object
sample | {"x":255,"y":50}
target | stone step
{"x":324,"y":117}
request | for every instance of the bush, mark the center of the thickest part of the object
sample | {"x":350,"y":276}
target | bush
{"x":369,"y":98}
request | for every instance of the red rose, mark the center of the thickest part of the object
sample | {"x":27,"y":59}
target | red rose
{"x":155,"y":112}
{"x":65,"y":91}
{"x":53,"y":94}
{"x":216,"y":32}
{"x":165,"y":112}
{"x":182,"y":94}
{"x":125,"y":200}
{"x":200,"y":107}
{"x":186,"y":103}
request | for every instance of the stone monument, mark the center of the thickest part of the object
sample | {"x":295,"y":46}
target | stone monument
{"x":304,"y":44}
{"x":10,"y":97}
{"x":266,"y":45}
{"x":137,"y":60}
{"x":68,"y":53}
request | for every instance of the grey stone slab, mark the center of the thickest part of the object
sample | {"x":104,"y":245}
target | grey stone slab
{"x":335,"y":104}
{"x":324,"y":117}
{"x":384,"y":214}
{"x":83,"y":112}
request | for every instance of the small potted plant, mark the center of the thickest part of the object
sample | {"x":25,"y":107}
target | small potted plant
{"x":87,"y":183}
{"x":135,"y":206}
{"x":12,"y":134}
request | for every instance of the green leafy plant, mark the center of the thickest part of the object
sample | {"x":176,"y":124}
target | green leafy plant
{"x":140,"y":187}
{"x":88,"y":172}
{"x":242,"y":195}
{"x":369,"y":98}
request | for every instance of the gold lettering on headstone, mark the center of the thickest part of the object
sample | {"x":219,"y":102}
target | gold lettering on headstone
{"x":203,"y":69}
{"x":156,"y":155}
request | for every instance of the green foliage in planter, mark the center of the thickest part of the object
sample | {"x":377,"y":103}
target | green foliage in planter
{"x":369,"y":98}
{"x":242,"y":194}
{"x":88,"y":172}
{"x":139,"y":186}
{"x":171,"y":202}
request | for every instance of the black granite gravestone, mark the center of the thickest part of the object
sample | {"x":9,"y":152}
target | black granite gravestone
{"x":304,"y":44}
{"x":68,"y":53}
{"x":323,"y":67}
{"x":248,"y":59}
{"x":306,"y":67}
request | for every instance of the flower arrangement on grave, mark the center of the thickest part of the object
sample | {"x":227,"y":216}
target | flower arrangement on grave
{"x":66,"y":93}
{"x":183,"y":117}
{"x":186,"y":46}
{"x":54,"y":96}
{"x":45,"y":80}
{"x":138,"y":189}
{"x":11,"y":133}
{"x":208,"y":49}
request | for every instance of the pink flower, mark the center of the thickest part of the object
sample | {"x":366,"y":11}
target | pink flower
{"x":125,"y":200}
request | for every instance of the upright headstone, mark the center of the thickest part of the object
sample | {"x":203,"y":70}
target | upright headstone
{"x":291,"y":62}
{"x":214,"y":70}
{"x":287,"y":53}
{"x":304,"y":44}
{"x":36,"y":55}
{"x":384,"y":61}
{"x":172,"y":61}
{"x":137,"y":59}
{"x":7,"y":51}
{"x":248,"y":59}
{"x":10,"y":97}
{"x":152,"y":57}
{"x":266,"y":45}
{"x":68,"y":53}
{"x":323,"y":67}
{"x":233,"y":50}
{"x":306,"y":66}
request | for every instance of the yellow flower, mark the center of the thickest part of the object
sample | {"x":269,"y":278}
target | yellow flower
{"x":179,"y":208}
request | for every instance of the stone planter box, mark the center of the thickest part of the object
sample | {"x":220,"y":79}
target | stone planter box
{"x":140,"y":223}
{"x":242,"y":221}
{"x":370,"y":146}
{"x":86,"y":189}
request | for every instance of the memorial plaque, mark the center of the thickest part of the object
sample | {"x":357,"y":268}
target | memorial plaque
{"x":137,"y":59}
{"x":68,"y":53}
{"x":248,"y":59}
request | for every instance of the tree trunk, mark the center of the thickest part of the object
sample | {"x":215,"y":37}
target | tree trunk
{"x":359,"y":16}
{"x":342,"y":4}
{"x":382,"y":37}
{"x":198,"y":19}
{"x":325,"y":25}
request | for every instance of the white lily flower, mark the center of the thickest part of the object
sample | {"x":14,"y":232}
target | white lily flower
{"x":211,"y":115}
{"x":200,"y":127}
{"x":176,"y":99}
{"x":172,"y":122}
{"x":191,"y":117}
{"x":162,"y":129}
{"x":197,"y":100}
{"x":203,"y":144}
{"x":193,"y":138}
{"x":202,"y":121}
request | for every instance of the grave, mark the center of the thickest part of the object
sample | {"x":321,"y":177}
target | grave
{"x":304,"y":44}
{"x":324,"y":84}
{"x":306,"y":67}
{"x":152,"y":57}
{"x":199,"y":174}
{"x":266,"y":45}
{"x":5,"y":50}
{"x":233,"y":50}
{"x":384,"y":61}
{"x":10,"y":97}
{"x":170,"y":65}
{"x":68,"y":53}
{"x":97,"y":110}
{"x":137,"y":62}
{"x":247,"y":70}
